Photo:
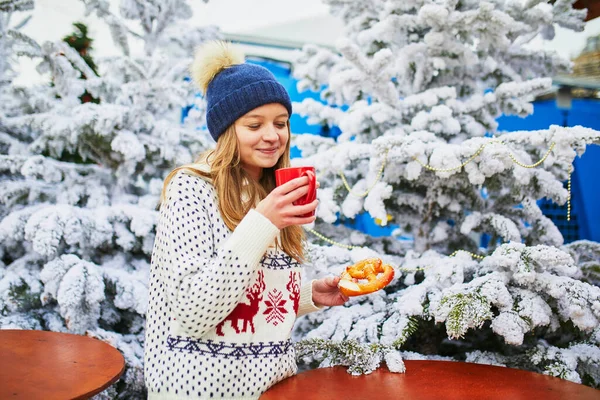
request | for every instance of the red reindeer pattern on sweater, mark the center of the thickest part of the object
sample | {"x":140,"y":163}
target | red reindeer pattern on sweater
{"x":293,"y":286}
{"x":246,"y":312}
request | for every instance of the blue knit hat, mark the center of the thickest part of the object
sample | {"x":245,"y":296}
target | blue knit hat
{"x":233,"y":87}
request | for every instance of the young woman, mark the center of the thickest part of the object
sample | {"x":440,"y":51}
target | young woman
{"x":225,"y":284}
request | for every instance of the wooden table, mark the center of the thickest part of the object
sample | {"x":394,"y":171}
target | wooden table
{"x":51,"y":365}
{"x":435,"y":380}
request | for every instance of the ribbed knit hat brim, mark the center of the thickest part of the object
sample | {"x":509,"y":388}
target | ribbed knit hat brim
{"x":233,"y":105}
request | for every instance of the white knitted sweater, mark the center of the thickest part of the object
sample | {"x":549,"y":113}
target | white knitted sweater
{"x":221,"y":304}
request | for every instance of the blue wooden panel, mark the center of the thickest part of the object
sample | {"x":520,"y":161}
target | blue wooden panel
{"x":585,"y":190}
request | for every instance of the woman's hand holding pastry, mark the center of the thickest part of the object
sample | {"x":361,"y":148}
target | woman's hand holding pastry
{"x":325,"y":292}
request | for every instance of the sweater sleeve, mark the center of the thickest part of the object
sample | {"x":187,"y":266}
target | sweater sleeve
{"x":207,"y":275}
{"x":306,"y":302}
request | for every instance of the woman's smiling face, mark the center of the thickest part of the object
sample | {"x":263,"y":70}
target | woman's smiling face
{"x":262,"y":135}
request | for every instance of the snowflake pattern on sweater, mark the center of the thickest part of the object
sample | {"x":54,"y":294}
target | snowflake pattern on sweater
{"x":222,"y":304}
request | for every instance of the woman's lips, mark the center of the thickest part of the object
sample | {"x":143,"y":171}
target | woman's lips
{"x":272,"y":150}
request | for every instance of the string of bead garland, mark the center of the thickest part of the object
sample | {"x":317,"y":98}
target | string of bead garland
{"x":433,"y":169}
{"x":569,"y":195}
{"x":430,"y":168}
{"x":377,"y":178}
{"x":469,"y":253}
{"x":477,"y":256}
{"x":480,"y":150}
{"x":401,"y":269}
{"x":333,"y":242}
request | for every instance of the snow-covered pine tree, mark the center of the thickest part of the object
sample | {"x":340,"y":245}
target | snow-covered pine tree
{"x":423,"y":82}
{"x":79,"y":183}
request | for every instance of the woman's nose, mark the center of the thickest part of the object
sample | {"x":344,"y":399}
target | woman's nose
{"x":270,"y":134}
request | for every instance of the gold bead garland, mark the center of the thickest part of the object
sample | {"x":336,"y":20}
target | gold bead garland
{"x":534,"y":165}
{"x":429,"y":266}
{"x":330,"y":241}
{"x":469,"y":253}
{"x":377,"y":178}
{"x":479,"y":151}
{"x":401,"y":269}
{"x":433,"y":169}
{"x":569,"y":195}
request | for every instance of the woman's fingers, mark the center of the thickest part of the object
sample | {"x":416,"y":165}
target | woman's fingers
{"x":290,"y":186}
{"x":332,"y":281}
{"x":305,"y":208}
{"x":295,"y":191}
{"x":296,"y":194}
{"x":302,"y":220}
{"x":295,"y":213}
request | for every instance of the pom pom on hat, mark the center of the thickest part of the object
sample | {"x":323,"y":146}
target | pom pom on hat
{"x":211,"y":58}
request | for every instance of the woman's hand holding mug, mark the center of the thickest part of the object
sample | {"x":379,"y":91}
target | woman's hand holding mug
{"x":294,"y":200}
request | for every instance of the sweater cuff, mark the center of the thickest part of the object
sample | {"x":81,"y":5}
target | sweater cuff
{"x":253,"y":236}
{"x":306,"y":302}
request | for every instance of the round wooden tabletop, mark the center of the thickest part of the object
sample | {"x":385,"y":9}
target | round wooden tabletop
{"x":433,"y":380}
{"x":52,"y":365}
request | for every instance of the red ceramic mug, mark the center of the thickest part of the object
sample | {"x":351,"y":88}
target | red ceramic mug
{"x":284,"y":175}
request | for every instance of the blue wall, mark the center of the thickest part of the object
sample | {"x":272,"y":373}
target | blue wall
{"x":282,"y":72}
{"x":585,"y":186}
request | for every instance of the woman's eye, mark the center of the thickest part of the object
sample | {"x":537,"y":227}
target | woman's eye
{"x":253,"y":126}
{"x":281,"y":125}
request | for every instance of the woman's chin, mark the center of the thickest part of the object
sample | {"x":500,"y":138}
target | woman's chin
{"x":267,"y":162}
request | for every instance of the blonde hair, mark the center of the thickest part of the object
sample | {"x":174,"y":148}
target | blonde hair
{"x":237,"y":192}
